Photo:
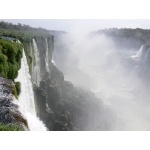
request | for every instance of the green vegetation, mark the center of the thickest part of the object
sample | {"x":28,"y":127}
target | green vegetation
{"x":10,"y":62}
{"x":22,"y":27}
{"x":10,"y":59}
{"x":14,"y":92}
{"x":24,"y":33}
{"x":10,"y":127}
{"x":18,"y":87}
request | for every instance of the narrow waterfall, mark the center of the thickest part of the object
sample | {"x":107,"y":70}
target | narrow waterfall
{"x":36,"y":71}
{"x":53,"y":62}
{"x":47,"y":57}
{"x":26,"y":98}
{"x":138,"y":53}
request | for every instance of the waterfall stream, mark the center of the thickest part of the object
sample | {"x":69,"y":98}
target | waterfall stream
{"x":36,"y":71}
{"x":47,"y":58}
{"x":53,"y":62}
{"x":26,"y":98}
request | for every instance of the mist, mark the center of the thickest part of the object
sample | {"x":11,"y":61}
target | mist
{"x":94,"y":62}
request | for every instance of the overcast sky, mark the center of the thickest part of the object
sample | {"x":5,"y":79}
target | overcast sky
{"x":83,"y":24}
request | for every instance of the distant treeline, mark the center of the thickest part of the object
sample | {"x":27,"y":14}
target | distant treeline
{"x":20,"y":27}
{"x":127,"y":37}
{"x":24,"y":33}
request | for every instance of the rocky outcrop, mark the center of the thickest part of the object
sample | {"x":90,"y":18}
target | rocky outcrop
{"x":9,"y":110}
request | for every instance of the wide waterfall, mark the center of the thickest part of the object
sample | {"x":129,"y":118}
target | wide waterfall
{"x":26,"y":98}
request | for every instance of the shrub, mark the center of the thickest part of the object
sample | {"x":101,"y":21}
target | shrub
{"x":18,"y":88}
{"x":10,"y":127}
{"x":14,"y":92}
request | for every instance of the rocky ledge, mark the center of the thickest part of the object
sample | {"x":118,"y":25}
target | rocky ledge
{"x":11,"y":119}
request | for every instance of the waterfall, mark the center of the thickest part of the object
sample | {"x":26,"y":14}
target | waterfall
{"x":26,"y":98}
{"x":53,"y":62}
{"x":138,"y":53}
{"x":36,"y":70}
{"x":47,"y":57}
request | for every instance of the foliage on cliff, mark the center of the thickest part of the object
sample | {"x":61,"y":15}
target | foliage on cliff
{"x":18,"y":87}
{"x":10,"y":59}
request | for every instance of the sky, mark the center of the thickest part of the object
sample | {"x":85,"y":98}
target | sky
{"x":83,"y":24}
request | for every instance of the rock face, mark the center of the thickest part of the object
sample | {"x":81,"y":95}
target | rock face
{"x":59,"y":104}
{"x":63,"y":107}
{"x":9,"y":112}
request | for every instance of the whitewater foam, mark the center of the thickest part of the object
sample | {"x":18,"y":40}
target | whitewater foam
{"x":26,"y":98}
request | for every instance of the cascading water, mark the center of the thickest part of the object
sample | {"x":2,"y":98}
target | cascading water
{"x":138,"y":53}
{"x":26,"y":98}
{"x":53,"y":62}
{"x":47,"y":57}
{"x":36,"y":71}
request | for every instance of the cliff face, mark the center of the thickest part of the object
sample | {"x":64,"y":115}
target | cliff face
{"x":59,"y":104}
{"x":48,"y":91}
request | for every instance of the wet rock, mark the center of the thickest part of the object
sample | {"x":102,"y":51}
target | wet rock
{"x":9,"y":112}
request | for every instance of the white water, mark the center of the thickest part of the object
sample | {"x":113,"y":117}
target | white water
{"x":138,"y":54}
{"x":47,"y":57}
{"x":36,"y":71}
{"x":26,"y":98}
{"x":53,"y":62}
